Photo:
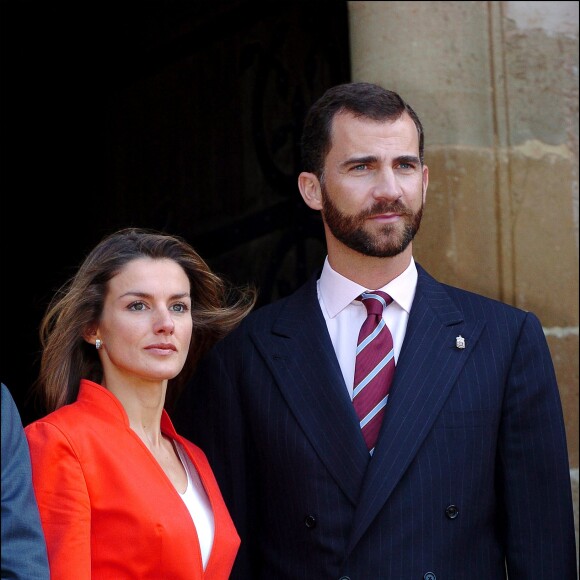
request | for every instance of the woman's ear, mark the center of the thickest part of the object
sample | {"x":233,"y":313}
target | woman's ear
{"x":310,"y":189}
{"x":90,"y":335}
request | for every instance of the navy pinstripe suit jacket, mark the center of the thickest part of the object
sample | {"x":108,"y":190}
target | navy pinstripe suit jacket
{"x":470,"y":474}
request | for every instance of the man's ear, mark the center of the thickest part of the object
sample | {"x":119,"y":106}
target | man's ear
{"x":310,"y":189}
{"x":425,"y":181}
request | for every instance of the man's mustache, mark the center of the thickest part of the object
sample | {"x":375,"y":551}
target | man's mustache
{"x":381,"y":207}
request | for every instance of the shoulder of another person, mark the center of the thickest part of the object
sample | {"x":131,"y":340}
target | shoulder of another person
{"x":9,"y":409}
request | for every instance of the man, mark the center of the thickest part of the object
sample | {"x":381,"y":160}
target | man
{"x":469,"y":475}
{"x":23,"y":545}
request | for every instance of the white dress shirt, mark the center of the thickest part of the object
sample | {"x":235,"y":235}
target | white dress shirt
{"x":198,"y":504}
{"x":345,"y":315}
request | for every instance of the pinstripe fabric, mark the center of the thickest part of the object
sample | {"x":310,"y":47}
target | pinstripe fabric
{"x":374,"y":367}
{"x":478,"y":428}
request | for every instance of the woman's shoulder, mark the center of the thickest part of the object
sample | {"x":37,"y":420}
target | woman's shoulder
{"x":94,"y":405}
{"x":67,"y":414}
{"x":94,"y":412}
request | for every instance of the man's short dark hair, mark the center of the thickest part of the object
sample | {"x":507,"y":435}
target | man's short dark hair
{"x":365,"y":100}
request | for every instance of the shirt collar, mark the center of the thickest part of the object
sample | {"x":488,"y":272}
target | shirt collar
{"x":337,"y":292}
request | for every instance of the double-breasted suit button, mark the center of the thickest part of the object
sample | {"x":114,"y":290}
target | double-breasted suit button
{"x":310,"y":522}
{"x":344,"y":578}
{"x":429,"y":576}
{"x":451,"y":511}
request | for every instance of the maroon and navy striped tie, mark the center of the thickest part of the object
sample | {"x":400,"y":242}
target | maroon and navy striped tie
{"x":374,"y":367}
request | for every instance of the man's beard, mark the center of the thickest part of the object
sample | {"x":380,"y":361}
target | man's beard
{"x":387,"y":242}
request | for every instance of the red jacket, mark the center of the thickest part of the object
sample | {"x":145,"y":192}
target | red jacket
{"x":107,"y":508}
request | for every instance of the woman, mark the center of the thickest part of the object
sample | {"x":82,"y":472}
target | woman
{"x":121,"y":494}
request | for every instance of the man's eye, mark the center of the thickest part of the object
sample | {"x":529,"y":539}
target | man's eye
{"x":360,"y":167}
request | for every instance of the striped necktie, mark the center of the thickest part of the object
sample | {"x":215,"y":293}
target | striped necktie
{"x":374,"y":367}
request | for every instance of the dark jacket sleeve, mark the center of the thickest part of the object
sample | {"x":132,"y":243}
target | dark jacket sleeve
{"x":23,"y":545}
{"x":533,"y":469}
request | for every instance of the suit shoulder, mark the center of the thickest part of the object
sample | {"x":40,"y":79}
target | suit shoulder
{"x":262,"y":317}
{"x":461,"y":295}
{"x":470,"y":303}
{"x":258,"y":320}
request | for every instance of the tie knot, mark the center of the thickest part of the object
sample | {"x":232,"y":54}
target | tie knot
{"x":375,"y":301}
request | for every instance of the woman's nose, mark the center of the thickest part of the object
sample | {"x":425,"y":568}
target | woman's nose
{"x":164,"y":323}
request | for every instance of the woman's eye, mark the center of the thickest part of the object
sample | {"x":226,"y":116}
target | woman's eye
{"x":137,"y":306}
{"x":180,"y":307}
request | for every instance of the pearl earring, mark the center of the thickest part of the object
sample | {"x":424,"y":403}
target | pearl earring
{"x":98,"y":343}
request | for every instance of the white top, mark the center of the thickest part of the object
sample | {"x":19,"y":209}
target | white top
{"x":197,"y":502}
{"x":344,"y":314}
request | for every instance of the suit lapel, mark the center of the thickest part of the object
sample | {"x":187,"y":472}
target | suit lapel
{"x":428,"y":367}
{"x":302,"y":359}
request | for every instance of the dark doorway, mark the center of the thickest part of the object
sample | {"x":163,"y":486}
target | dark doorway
{"x":180,"y":116}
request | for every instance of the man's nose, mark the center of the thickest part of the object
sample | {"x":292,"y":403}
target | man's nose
{"x":387,"y":186}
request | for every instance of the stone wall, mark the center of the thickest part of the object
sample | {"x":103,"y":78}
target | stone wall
{"x":496,"y":87}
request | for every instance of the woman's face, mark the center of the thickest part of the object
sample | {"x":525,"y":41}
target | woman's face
{"x":146,"y":324}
